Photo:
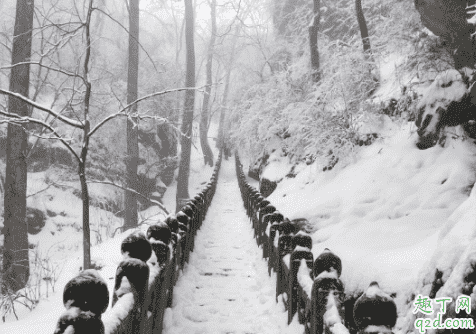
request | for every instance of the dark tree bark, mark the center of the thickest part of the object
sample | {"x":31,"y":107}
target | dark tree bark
{"x":313,"y":31}
{"x":85,"y":197}
{"x":85,"y":144}
{"x":16,"y":265}
{"x":130,"y":201}
{"x":364,"y":32}
{"x":221,"y":125}
{"x":207,"y":151}
{"x":187,"y":119}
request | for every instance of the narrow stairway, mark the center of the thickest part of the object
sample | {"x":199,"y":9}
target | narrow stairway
{"x":225,"y":288}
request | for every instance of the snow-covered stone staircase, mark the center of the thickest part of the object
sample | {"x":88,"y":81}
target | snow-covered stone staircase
{"x":225,"y":288}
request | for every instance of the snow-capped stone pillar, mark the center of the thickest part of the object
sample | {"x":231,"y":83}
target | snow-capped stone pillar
{"x":327,"y":299}
{"x":301,"y":244}
{"x":85,"y":298}
{"x":375,"y":311}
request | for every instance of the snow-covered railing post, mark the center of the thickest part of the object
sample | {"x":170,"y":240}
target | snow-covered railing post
{"x":188,"y":214}
{"x":145,"y":278}
{"x":198,"y":201}
{"x":253,"y":199}
{"x":263,"y":238}
{"x":327,"y":303}
{"x":301,"y":244}
{"x":85,"y":298}
{"x":286,"y":232}
{"x":254,"y":195}
{"x":195,"y":225}
{"x":132,"y":278}
{"x":327,"y":295}
{"x":314,"y":290}
{"x":183,"y":220}
{"x":261,"y":226}
{"x":172,"y":222}
{"x":247,"y":194}
{"x":273,"y":219}
{"x":375,"y":311}
{"x":190,"y":210}
{"x":273,"y":228}
{"x":162,"y":281}
{"x":196,"y":220}
{"x":256,"y":222}
{"x":187,"y":209}
{"x":254,"y":215}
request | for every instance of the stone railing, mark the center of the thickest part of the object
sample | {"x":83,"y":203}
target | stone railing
{"x":144,"y":279}
{"x":311,"y":288}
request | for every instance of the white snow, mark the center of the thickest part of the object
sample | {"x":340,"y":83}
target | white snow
{"x":391,"y":212}
{"x":332,"y":318}
{"x":374,"y":290}
{"x":300,"y":249}
{"x":328,"y":274}
{"x":447,"y":87}
{"x":278,"y":167}
{"x":304,"y":278}
{"x":390,"y":80}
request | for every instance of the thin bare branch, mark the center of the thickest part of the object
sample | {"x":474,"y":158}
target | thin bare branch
{"x":14,"y":118}
{"x":122,"y":26}
{"x":160,"y":205}
{"x":42,"y":65}
{"x":122,"y":111}
{"x":40,"y":191}
{"x":50,"y":137}
{"x":64,"y":119}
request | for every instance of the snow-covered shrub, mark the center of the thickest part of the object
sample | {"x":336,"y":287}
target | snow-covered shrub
{"x":44,"y":274}
{"x":327,"y":116}
{"x":307,"y":119}
{"x":447,"y":102}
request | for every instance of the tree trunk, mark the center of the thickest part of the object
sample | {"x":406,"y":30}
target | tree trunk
{"x":16,"y":265}
{"x":207,"y":151}
{"x":187,"y":119}
{"x":130,"y":201}
{"x":313,"y":31}
{"x":86,"y":230}
{"x":168,"y":142}
{"x":364,"y":32}
{"x":85,"y":144}
{"x":221,"y":137}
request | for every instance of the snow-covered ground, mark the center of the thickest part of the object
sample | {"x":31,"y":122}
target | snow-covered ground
{"x":226,"y":288}
{"x":392,"y":212}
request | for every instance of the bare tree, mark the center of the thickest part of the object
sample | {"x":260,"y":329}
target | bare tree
{"x":207,"y":151}
{"x":130,"y":200}
{"x":16,"y":265}
{"x":80,"y":99}
{"x":187,"y":119}
{"x":313,"y":31}
{"x":364,"y":32}
{"x":88,"y":132}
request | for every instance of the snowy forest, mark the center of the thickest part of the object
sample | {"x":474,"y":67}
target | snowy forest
{"x":217,"y":136}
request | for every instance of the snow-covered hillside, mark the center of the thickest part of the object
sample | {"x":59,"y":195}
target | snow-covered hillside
{"x":393,"y":213}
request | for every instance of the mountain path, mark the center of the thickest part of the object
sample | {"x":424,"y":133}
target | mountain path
{"x":225,"y":288}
